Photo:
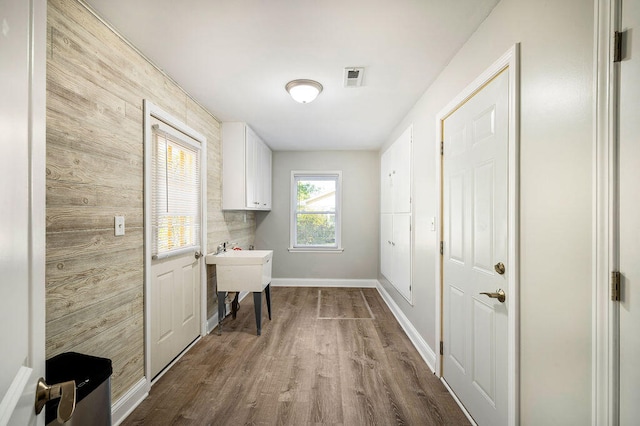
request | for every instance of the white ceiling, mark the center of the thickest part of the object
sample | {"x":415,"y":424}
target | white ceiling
{"x":235,"y":57}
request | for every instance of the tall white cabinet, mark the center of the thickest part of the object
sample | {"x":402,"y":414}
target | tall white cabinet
{"x":395,"y":213}
{"x":246,"y":169}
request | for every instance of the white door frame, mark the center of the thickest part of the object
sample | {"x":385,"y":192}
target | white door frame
{"x":510,"y":60}
{"x":605,"y":323}
{"x":151,"y":110}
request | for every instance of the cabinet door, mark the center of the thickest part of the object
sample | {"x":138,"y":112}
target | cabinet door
{"x":401,"y":173}
{"x":250,"y":169}
{"x":266,"y":177}
{"x":386,"y":203}
{"x":386,"y":252}
{"x":401,"y":271}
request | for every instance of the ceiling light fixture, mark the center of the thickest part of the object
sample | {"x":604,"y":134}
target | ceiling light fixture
{"x":303,"y":91}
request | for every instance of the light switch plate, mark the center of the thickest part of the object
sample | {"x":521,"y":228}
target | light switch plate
{"x":433,"y":223}
{"x":119,"y":225}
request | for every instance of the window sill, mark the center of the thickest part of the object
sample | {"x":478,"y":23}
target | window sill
{"x":314,"y":250}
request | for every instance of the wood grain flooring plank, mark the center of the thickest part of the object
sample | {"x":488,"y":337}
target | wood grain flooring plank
{"x":343,"y":303}
{"x":302,"y":371}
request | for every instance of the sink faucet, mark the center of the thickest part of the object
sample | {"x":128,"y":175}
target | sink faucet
{"x":223,"y":247}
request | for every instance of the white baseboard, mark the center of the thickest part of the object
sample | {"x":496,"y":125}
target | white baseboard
{"x":129,"y":401}
{"x":427,"y":354}
{"x":313,"y":282}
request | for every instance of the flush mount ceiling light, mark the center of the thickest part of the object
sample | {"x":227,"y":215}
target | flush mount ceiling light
{"x":303,"y":91}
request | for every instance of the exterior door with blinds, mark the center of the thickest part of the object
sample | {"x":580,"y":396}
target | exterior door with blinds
{"x":176,"y":222}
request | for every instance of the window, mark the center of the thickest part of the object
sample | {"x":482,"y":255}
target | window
{"x":175,"y":199}
{"x":315,"y":211}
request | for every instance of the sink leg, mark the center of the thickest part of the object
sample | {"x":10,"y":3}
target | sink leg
{"x":257,"y":302}
{"x":267,"y":292}
{"x":235,"y":305}
{"x":221,"y":309}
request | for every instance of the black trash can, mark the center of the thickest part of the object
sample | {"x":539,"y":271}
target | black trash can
{"x":93,"y":388}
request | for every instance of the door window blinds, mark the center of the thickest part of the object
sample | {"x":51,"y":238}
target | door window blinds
{"x":175,"y":199}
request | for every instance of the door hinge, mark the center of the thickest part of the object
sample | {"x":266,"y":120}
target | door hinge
{"x":617,"y":46}
{"x":615,"y":286}
{"x":441,"y":347}
{"x":441,"y":147}
{"x":441,"y":247}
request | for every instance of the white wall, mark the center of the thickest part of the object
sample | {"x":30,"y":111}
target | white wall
{"x":556,"y":196}
{"x":361,"y":207}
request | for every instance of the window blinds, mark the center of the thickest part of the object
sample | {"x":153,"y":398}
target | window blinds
{"x":175,"y":199}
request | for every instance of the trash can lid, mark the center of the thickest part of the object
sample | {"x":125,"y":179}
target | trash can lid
{"x":88,"y":371}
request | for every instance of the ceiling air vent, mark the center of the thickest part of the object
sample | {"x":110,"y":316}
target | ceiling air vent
{"x":353,"y":76}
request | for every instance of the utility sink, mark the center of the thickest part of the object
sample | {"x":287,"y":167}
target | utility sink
{"x":242,"y":270}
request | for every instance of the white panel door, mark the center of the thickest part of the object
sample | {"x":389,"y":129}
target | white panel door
{"x":251,"y":169}
{"x":629,"y":225}
{"x":265,"y":181}
{"x":475,"y":240}
{"x":386,"y":241}
{"x":22,"y":219}
{"x":176,"y":219}
{"x":401,"y":173}
{"x":401,"y":247}
{"x":175,"y":308}
{"x":386,"y":202}
{"x":14,"y":213}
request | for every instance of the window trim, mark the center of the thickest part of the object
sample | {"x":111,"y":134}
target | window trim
{"x":325,"y":175}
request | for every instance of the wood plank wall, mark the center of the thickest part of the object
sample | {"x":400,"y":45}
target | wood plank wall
{"x":96,"y":84}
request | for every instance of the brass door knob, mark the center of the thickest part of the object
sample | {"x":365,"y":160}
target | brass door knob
{"x":499,"y":267}
{"x":65,"y":391}
{"x":499,"y":294}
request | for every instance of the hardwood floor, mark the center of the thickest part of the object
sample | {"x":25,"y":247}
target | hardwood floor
{"x":328,"y":356}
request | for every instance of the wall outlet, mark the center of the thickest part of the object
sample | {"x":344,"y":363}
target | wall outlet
{"x":119,"y":225}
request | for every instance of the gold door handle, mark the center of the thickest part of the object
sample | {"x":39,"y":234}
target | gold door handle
{"x":65,"y":391}
{"x":499,"y":294}
{"x":499,"y":267}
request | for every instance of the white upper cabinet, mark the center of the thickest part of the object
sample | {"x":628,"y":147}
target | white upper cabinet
{"x":386,"y":173}
{"x":395,"y":176}
{"x":246,"y":169}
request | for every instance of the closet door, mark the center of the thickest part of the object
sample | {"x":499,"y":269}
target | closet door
{"x":386,"y":245}
{"x":401,"y":173}
{"x":401,"y":271}
{"x":386,"y":201}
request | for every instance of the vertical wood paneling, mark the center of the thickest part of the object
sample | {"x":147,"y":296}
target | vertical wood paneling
{"x":96,"y":85}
